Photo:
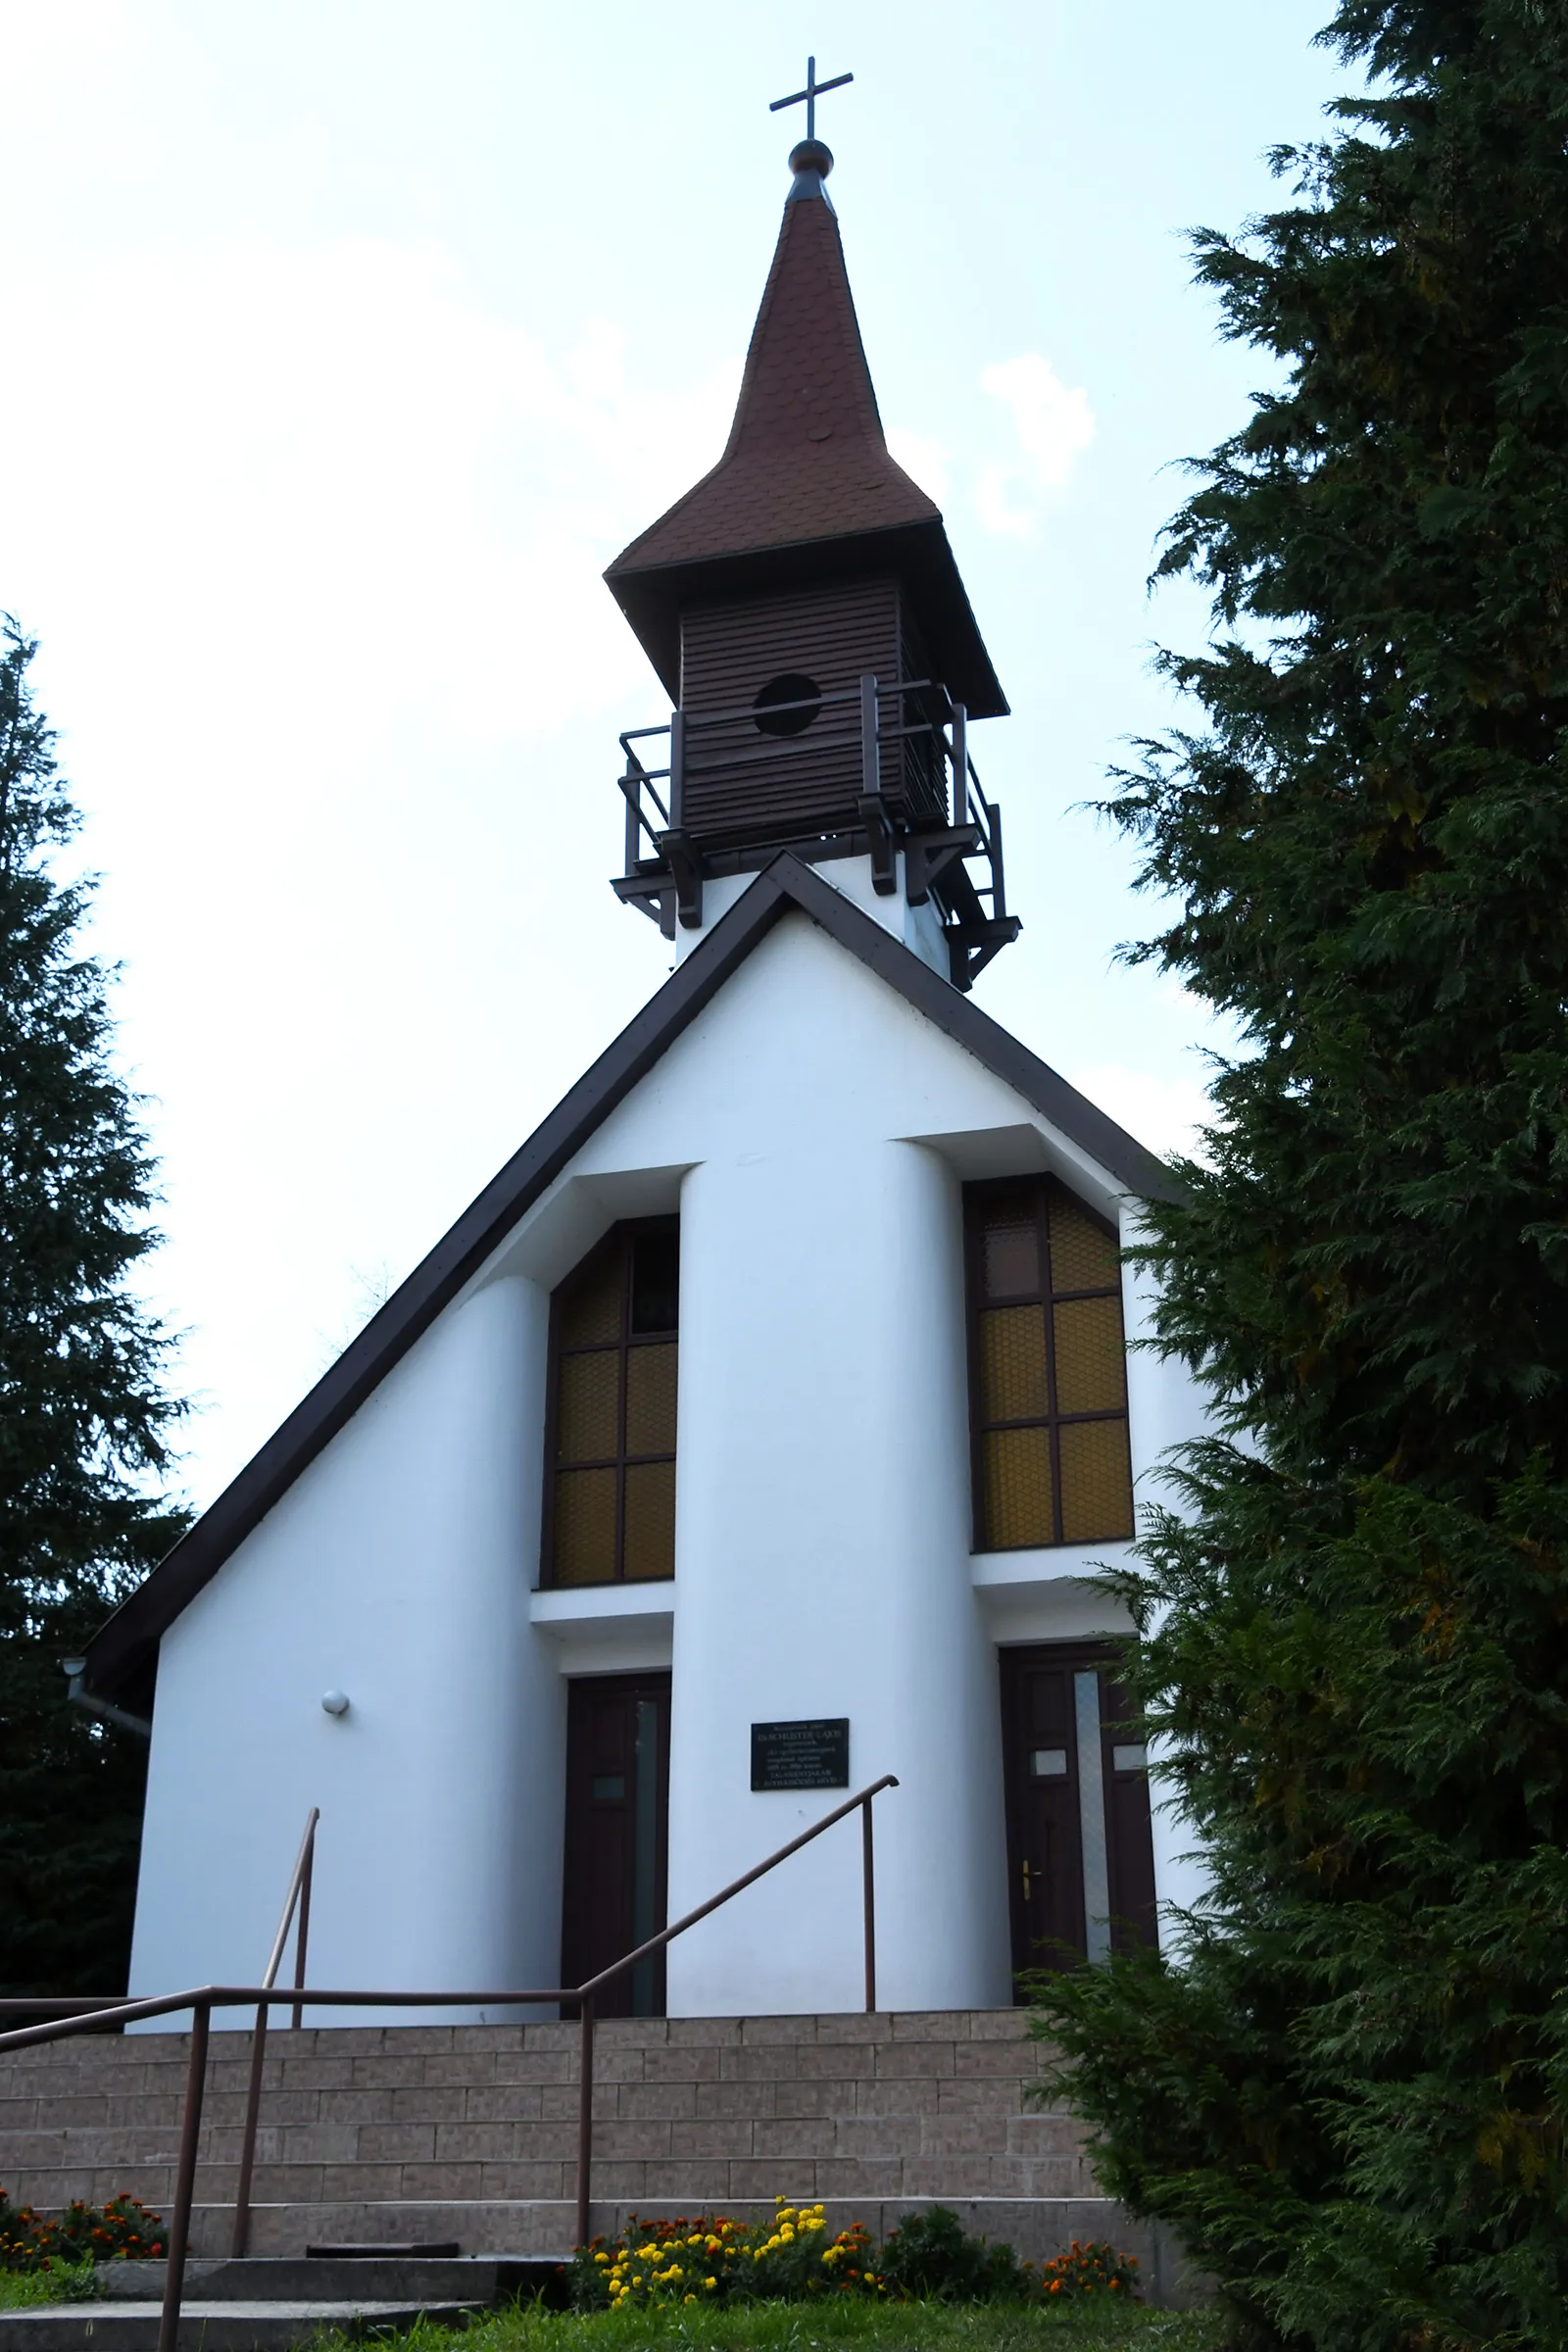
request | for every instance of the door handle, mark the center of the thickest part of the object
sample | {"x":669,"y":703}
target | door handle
{"x":1028,"y":1889}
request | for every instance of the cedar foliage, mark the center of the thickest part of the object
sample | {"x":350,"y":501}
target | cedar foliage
{"x":1349,"y":2102}
{"x":84,"y":1423}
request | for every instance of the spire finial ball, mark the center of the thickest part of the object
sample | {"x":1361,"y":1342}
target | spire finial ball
{"x":811,"y":155}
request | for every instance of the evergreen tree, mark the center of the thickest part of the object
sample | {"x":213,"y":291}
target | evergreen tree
{"x":83,"y":1421}
{"x":1350,"y":2102}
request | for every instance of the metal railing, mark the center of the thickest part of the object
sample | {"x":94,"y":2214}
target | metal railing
{"x":297,"y":1904}
{"x":202,"y":2000}
{"x":892,"y":772}
{"x":870,"y":716}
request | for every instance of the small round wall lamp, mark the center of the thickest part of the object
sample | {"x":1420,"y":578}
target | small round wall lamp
{"x":337,"y":1702}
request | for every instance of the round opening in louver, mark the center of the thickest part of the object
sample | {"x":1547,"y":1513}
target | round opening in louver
{"x":788,"y":705}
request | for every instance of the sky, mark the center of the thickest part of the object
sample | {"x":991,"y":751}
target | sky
{"x":348,"y":342}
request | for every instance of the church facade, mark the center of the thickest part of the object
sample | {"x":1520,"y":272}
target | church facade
{"x":762,"y":1428}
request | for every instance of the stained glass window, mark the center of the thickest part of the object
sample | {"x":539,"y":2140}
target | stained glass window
{"x":1048,"y":1369}
{"x":610,"y":1472}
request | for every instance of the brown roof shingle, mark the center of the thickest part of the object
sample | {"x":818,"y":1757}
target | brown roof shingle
{"x":806,"y":487}
{"x":806,"y":456}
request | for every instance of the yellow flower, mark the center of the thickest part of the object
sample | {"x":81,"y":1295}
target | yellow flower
{"x":688,"y":2298}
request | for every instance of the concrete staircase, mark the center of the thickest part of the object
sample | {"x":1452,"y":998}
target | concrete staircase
{"x":264,"y":2306}
{"x":467,"y":2132}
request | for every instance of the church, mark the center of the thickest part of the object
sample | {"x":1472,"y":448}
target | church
{"x":761,"y":1429}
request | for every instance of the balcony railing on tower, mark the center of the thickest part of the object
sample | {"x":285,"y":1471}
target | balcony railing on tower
{"x":879,"y":770}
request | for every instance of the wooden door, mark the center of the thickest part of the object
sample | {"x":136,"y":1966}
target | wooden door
{"x":618,"y":1812}
{"x":1080,"y":1852}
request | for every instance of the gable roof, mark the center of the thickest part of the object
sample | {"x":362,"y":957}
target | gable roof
{"x":123,"y":1647}
{"x":806,"y":486}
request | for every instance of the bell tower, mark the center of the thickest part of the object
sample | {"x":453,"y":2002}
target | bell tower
{"x":803,"y":608}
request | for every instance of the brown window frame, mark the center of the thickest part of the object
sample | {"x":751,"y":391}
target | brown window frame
{"x":621,"y":1241}
{"x":1048,"y":1297}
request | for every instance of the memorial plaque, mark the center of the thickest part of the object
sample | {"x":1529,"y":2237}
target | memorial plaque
{"x":814,"y":1754}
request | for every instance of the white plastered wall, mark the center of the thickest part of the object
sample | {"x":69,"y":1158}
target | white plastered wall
{"x":389,"y":1572}
{"x":814,"y":1130}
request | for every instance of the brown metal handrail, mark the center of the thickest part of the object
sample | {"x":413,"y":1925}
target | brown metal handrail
{"x":297,"y":1901}
{"x":201,"y":2001}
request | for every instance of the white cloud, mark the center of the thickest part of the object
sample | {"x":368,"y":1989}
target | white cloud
{"x":337,"y":455}
{"x":1052,"y":423}
{"x":923,"y":458}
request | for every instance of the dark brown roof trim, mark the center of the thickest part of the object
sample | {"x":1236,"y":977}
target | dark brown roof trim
{"x":124,"y":1645}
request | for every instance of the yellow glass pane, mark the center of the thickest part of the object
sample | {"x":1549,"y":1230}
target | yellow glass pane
{"x":650,"y":1520}
{"x":1015,"y":1489}
{"x":1083,"y":1256}
{"x":1012,"y":1363}
{"x":591,"y":1302}
{"x":1010,"y":1253}
{"x":588,"y":1407}
{"x":1091,"y":1362}
{"x":651,"y":1400}
{"x":585,"y":1528}
{"x":1096,"y":1483}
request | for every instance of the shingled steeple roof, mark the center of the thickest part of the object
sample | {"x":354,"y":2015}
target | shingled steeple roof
{"x":806,"y":486}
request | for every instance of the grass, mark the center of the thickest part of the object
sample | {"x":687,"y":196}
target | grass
{"x":821,"y":2326}
{"x":67,"y":2283}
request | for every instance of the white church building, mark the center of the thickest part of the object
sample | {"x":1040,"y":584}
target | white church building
{"x":762,"y":1428}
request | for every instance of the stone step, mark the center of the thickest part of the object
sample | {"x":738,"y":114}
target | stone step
{"x":211,"y":2326}
{"x":381,"y":2277}
{"x":536,"y":2230}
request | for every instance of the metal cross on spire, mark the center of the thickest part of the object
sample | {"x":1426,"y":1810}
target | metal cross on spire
{"x":812,"y":91}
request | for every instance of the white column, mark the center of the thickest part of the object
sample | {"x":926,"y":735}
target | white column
{"x":822,"y":1569}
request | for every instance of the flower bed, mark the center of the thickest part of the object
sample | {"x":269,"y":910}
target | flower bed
{"x":716,"y":2258}
{"x":124,"y":2227}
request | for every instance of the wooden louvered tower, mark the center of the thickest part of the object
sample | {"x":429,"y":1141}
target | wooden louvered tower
{"x":804,"y":610}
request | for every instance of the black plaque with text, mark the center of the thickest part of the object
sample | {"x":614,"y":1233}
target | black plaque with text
{"x":814,"y":1754}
